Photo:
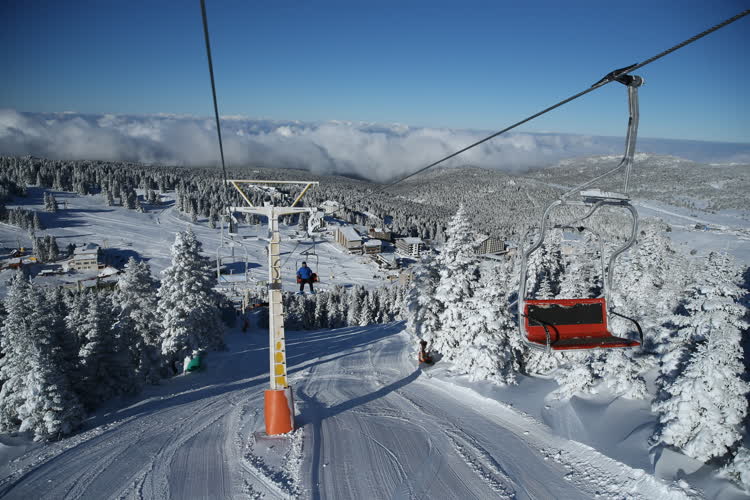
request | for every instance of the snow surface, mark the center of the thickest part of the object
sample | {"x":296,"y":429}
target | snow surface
{"x":370,"y":425}
{"x":150,"y":236}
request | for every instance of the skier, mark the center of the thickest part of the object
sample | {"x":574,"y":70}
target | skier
{"x":424,"y":353}
{"x":305,"y":275}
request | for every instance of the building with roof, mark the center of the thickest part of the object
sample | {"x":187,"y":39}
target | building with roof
{"x":373,"y":246}
{"x":381,"y":234}
{"x":485,"y":244}
{"x":86,"y":258}
{"x":349,"y":238}
{"x":413,"y":247}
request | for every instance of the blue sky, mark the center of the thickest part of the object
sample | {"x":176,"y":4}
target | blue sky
{"x":473,"y":65}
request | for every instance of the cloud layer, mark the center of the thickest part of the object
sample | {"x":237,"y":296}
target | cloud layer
{"x":372,"y":151}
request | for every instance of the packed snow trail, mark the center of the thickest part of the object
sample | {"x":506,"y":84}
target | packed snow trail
{"x":371,"y":426}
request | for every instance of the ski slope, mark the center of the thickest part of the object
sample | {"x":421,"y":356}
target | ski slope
{"x":370,"y":425}
{"x":150,"y":235}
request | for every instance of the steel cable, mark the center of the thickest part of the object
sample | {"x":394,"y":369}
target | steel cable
{"x":213,"y":90}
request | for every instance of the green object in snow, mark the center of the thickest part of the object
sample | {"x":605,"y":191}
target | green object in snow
{"x":195,"y":364}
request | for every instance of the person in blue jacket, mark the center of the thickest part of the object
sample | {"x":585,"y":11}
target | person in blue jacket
{"x":305,"y":275}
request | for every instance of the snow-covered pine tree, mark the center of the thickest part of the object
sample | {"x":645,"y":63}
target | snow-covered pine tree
{"x":321,"y":310}
{"x":68,"y":340}
{"x":332,"y":306}
{"x":458,"y":276}
{"x":137,"y":326}
{"x":355,"y":307}
{"x":50,"y":408}
{"x":78,"y":306}
{"x":187,"y":302}
{"x":738,"y":469}
{"x":97,"y":382}
{"x":422,"y":307}
{"x":577,"y":375}
{"x":706,"y":403}
{"x":621,"y":370}
{"x":367,"y":312}
{"x":491,"y":348}
{"x":16,"y":346}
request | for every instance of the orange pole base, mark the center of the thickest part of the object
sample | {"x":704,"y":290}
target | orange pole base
{"x":279,"y":411}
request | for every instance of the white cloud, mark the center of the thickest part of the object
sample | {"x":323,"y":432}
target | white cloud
{"x":370,"y":150}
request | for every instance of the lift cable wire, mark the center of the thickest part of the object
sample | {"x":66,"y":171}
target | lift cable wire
{"x":615,"y":75}
{"x":213,"y":91}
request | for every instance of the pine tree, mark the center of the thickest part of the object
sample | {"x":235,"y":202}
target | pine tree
{"x":16,"y":347}
{"x":97,"y":355}
{"x":50,"y":408}
{"x":458,"y":278}
{"x":738,"y":469}
{"x":367,"y":312}
{"x":138,"y":327}
{"x":321,"y":310}
{"x":422,"y":307}
{"x":332,"y":307}
{"x":706,"y":403}
{"x":355,"y":307}
{"x":188,"y":303}
{"x":491,"y":348}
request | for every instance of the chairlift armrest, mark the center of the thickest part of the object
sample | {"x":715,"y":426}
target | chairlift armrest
{"x":638,"y":327}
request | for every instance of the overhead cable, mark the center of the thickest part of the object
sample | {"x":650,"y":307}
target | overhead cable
{"x":213,"y":90}
{"x":611,"y":77}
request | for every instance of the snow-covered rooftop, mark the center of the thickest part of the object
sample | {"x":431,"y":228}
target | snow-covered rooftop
{"x":413,"y":241}
{"x":87,"y":249}
{"x":350,"y":233}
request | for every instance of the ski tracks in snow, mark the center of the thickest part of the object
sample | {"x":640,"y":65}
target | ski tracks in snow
{"x":369,"y":426}
{"x":378,"y":429}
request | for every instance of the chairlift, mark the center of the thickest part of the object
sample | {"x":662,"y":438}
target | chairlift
{"x":583,"y":323}
{"x":308,"y":254}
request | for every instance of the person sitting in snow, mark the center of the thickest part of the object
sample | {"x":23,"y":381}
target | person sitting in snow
{"x":424,"y":353}
{"x":305,"y":275}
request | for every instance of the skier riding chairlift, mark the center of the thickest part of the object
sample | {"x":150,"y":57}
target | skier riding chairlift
{"x":306,"y":275}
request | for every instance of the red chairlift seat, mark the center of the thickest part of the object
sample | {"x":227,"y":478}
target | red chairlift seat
{"x":564,"y":324}
{"x":314,"y":277}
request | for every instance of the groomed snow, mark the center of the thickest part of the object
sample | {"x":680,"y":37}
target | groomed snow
{"x":371,"y":425}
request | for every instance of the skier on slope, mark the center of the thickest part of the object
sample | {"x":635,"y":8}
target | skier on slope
{"x":305,"y":275}
{"x":424,"y":353}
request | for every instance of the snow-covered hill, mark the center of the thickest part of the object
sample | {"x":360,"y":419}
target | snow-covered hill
{"x":371,"y":425}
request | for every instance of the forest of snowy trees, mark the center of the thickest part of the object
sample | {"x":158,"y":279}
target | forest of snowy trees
{"x":694,"y":314}
{"x":65,"y":352}
{"x":691,"y":367}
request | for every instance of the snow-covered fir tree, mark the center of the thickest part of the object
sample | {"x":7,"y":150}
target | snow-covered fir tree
{"x":491,"y":348}
{"x":98,"y":380}
{"x":50,"y":408}
{"x":738,"y":469}
{"x":367,"y":312}
{"x":706,"y":404}
{"x":35,"y":394}
{"x":458,"y":277}
{"x":16,"y":347}
{"x":422,"y":307}
{"x":355,"y":305}
{"x":137,"y":324}
{"x":187,"y":302}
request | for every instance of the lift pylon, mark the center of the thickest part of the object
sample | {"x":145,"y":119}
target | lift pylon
{"x":279,"y":400}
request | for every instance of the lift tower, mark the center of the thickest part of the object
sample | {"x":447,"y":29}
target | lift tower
{"x":279,"y":401}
